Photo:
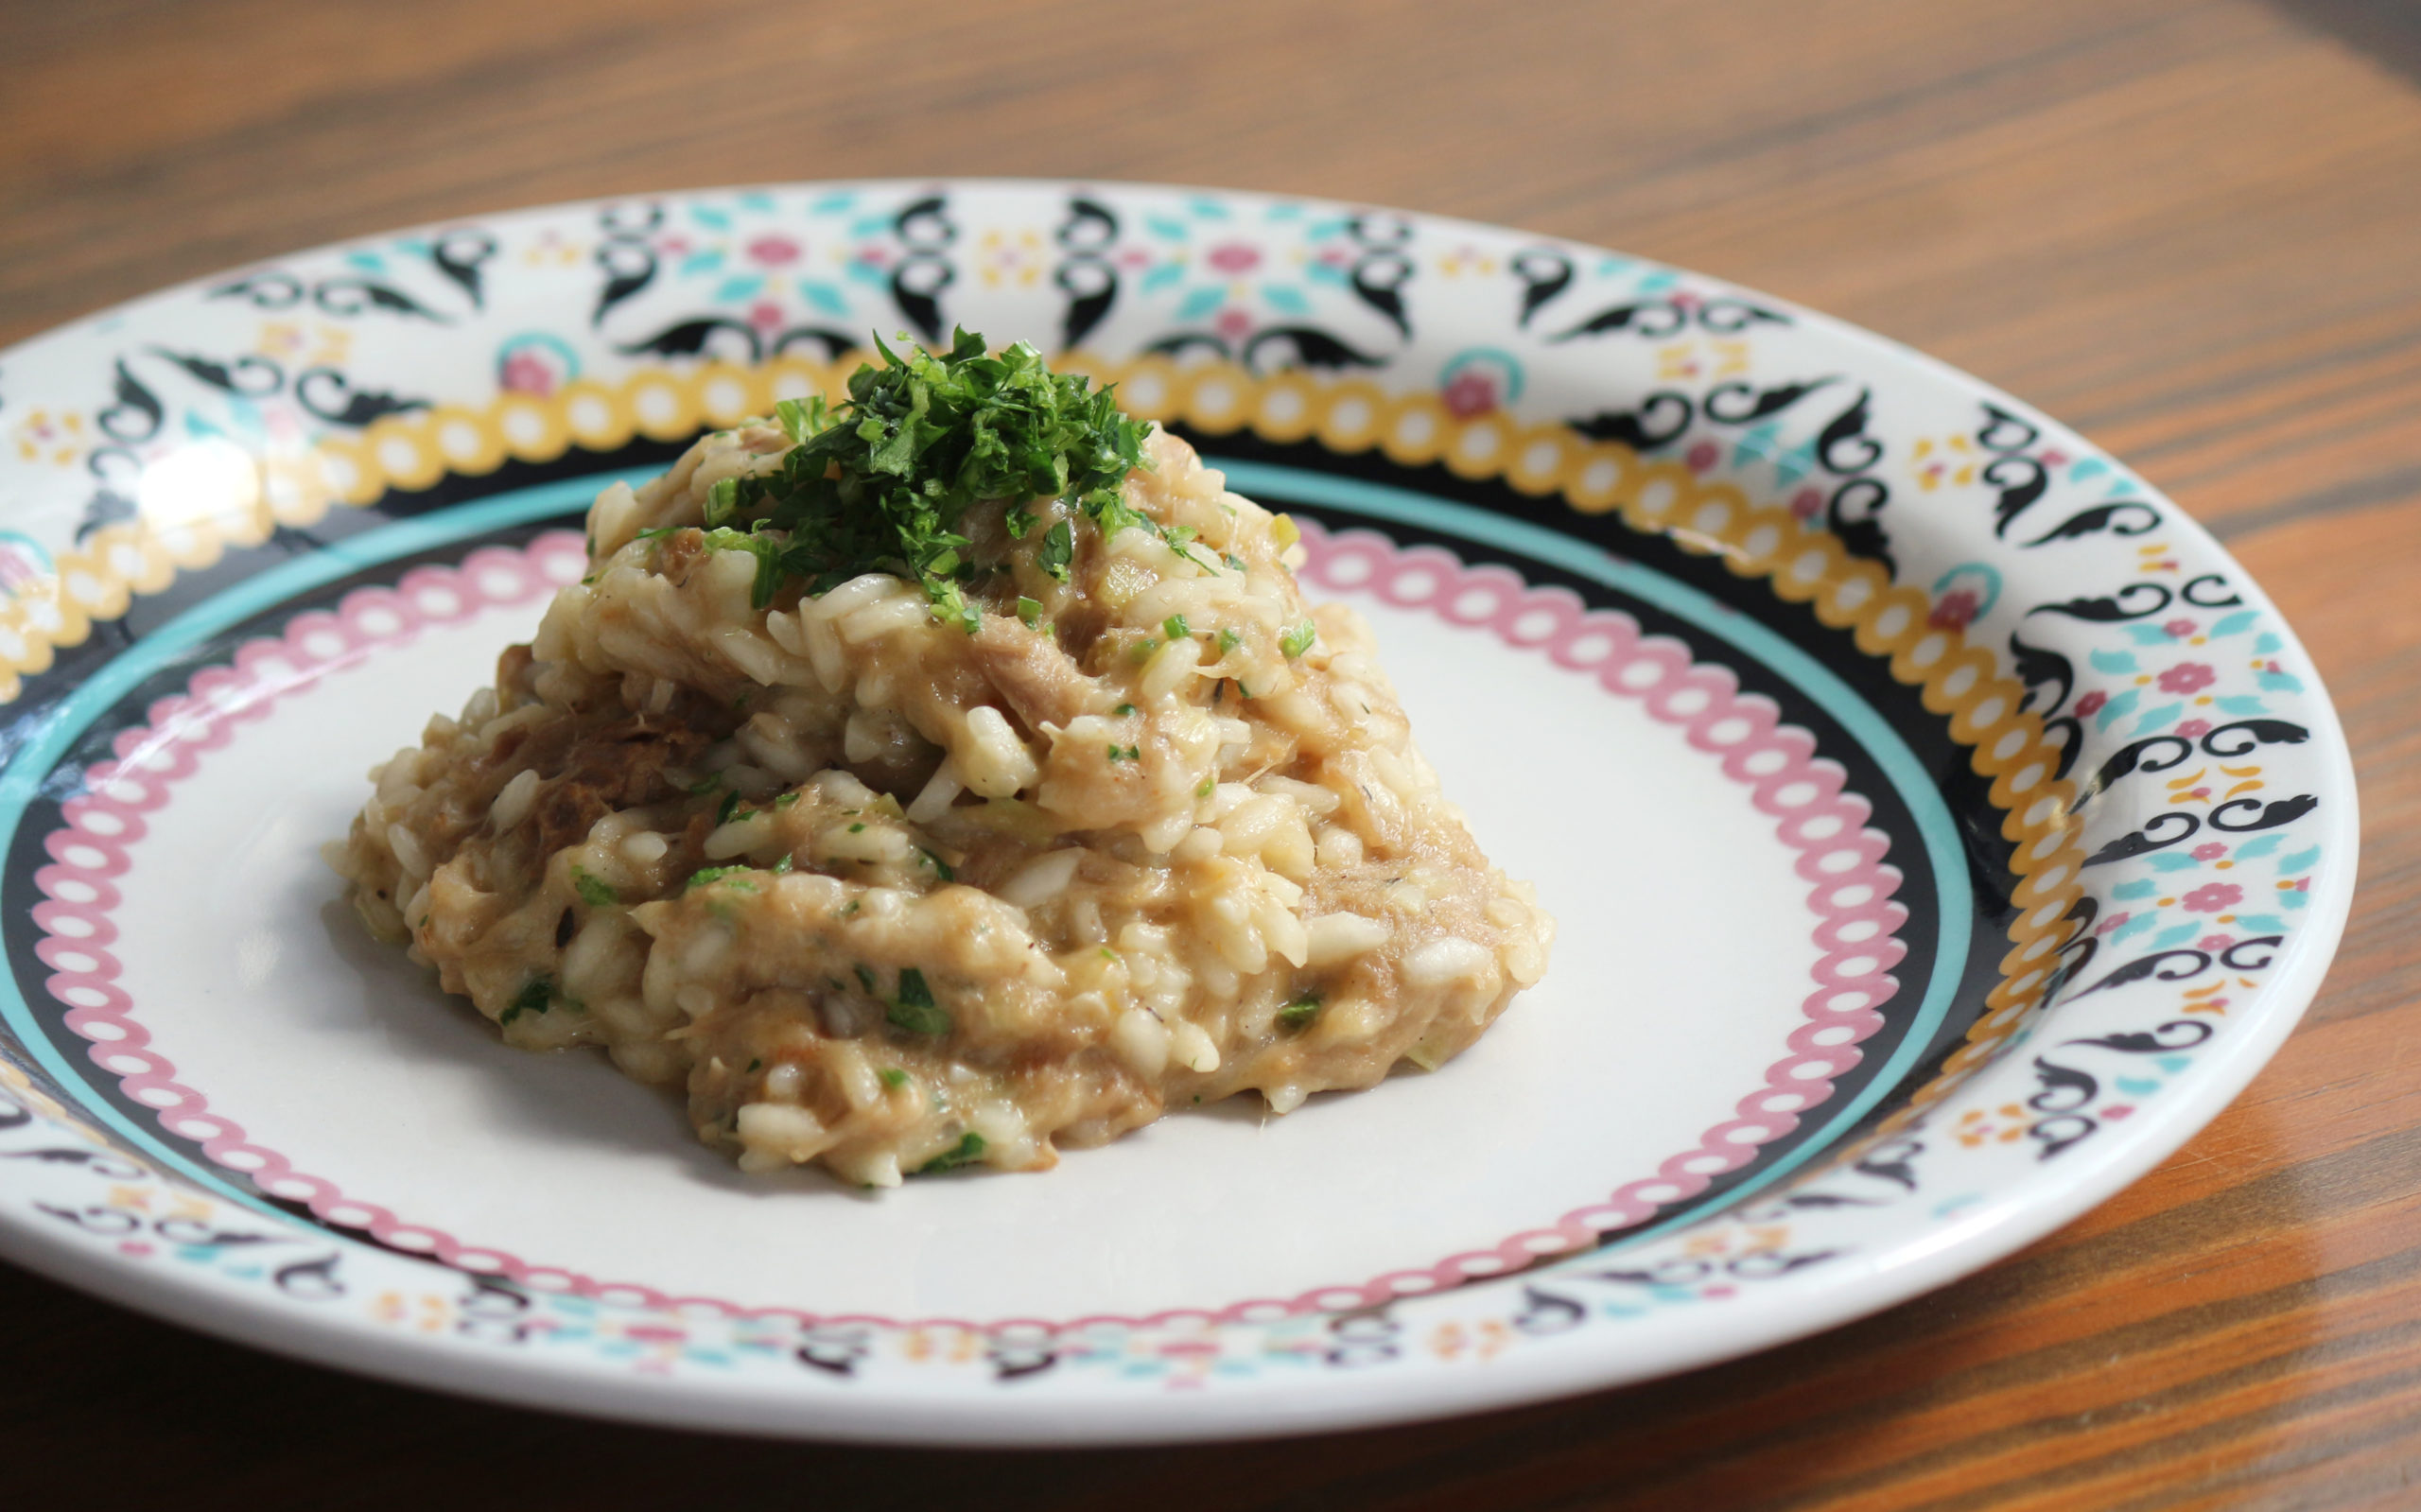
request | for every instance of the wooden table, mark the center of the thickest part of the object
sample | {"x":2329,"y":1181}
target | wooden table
{"x":2191,"y":227}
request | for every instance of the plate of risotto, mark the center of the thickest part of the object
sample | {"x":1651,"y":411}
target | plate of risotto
{"x":1018,"y":812}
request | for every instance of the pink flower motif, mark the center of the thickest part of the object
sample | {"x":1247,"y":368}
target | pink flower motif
{"x":1954,"y":610}
{"x":2188,"y":677}
{"x":673,"y":245}
{"x":1232,"y":323}
{"x":872,"y":255}
{"x":2118,"y":1110}
{"x":2211,"y":852}
{"x":528,"y":373}
{"x":765,"y":315}
{"x":773,"y":251}
{"x":2054,"y":458}
{"x":2194,"y":729}
{"x":1701,"y":456}
{"x":2179,"y":629}
{"x":1806,"y":503}
{"x":2212,"y":896}
{"x":1470,"y":392}
{"x":2091,"y":703}
{"x":2215,"y":942}
{"x":1234,"y":257}
{"x":1132,"y":258}
{"x":2113,"y":922}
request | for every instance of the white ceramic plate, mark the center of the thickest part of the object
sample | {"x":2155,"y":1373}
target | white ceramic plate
{"x":1942,"y":826}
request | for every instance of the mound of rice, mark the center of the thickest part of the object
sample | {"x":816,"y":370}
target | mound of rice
{"x":893,"y":896}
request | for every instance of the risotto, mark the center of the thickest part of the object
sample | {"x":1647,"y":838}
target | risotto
{"x":940,"y":780}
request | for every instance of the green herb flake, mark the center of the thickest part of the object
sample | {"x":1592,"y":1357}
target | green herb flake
{"x":1298,"y":640}
{"x":1129,"y":753}
{"x":803,"y":420}
{"x":594,"y":891}
{"x":1234,"y":562}
{"x":536,"y":998}
{"x":914,"y":1010}
{"x":723,"y":502}
{"x":727,"y":808}
{"x":1175,"y":627}
{"x":1206,"y":787}
{"x":941,"y":868}
{"x":705,"y":785}
{"x":1111,"y":956}
{"x":707,"y":875}
{"x":968,"y":1150}
{"x":787,"y":799}
{"x":783,"y":867}
{"x":1299,"y":1012}
{"x":755,"y":1064}
{"x":858,"y":828}
{"x":1230,"y":639}
{"x":892,"y":1077}
{"x":1058,"y":550}
{"x":1030,"y":611}
{"x":1123,"y":710}
{"x":865,"y":979}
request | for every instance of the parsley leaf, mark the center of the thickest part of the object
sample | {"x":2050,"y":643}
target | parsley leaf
{"x":708,"y":875}
{"x":536,"y":998}
{"x":914,"y":1010}
{"x":1298,"y":640}
{"x":730,"y":807}
{"x":968,"y":1150}
{"x":1230,"y":639}
{"x":1030,"y":611}
{"x":1058,"y":550}
{"x":594,"y":891}
{"x":1175,"y":627}
{"x":893,"y":1076}
{"x":1299,"y":1012}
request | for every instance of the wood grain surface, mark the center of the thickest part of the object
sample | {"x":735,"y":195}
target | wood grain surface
{"x":2192,"y":227}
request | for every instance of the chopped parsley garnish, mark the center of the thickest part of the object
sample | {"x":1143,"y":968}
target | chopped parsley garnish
{"x":1207,"y":787}
{"x":783,"y":867}
{"x":753,"y":1064}
{"x":884,"y":485}
{"x":787,"y":799}
{"x":858,"y":828}
{"x":865,"y":979}
{"x":534,"y":998}
{"x":594,"y":891}
{"x":1300,"y":1012}
{"x":705,"y":784}
{"x":892,"y":1077}
{"x":968,"y":1150}
{"x":1298,"y":640}
{"x":1113,"y":957}
{"x":1175,"y":627}
{"x":1230,"y":639}
{"x":705,"y":876}
{"x":1128,"y":753}
{"x":1233,"y":561}
{"x":1123,"y":710}
{"x":1030,"y":611}
{"x":914,"y":1010}
{"x":941,"y":868}
{"x":730,"y":807}
{"x":723,"y":502}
